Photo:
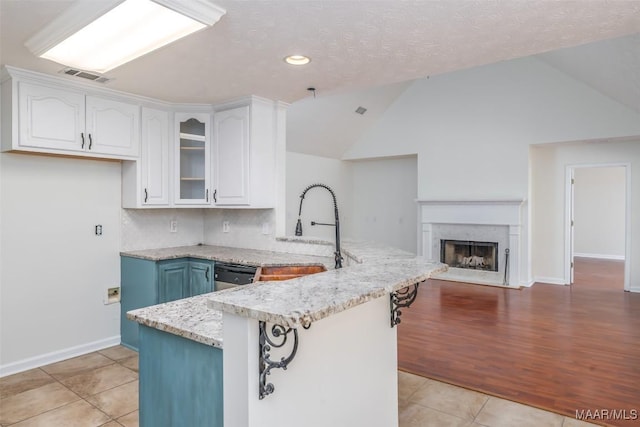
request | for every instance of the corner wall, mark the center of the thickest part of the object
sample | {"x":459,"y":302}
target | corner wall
{"x":55,"y":270}
{"x":549,"y":163}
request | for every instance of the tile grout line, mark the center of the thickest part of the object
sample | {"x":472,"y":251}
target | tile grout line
{"x":483,"y":405}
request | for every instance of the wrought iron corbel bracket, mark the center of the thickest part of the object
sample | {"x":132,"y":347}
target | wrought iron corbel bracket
{"x":402,"y":298}
{"x":267,"y":341}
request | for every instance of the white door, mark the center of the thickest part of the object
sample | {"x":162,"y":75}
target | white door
{"x":155,"y":157}
{"x":113,"y":127}
{"x":50,"y":118}
{"x":572,"y":225}
{"x":231,"y":157}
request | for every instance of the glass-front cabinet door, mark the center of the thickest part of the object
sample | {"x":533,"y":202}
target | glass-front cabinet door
{"x":193,"y":159}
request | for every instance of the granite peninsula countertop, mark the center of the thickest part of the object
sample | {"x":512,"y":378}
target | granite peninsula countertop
{"x":376,"y":271}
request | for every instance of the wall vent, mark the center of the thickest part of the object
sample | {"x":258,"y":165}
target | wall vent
{"x":361,"y":110}
{"x":85,"y":75}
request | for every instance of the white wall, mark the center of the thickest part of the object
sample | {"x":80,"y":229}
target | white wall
{"x":548,"y":165}
{"x":304,"y":170}
{"x":384,"y":207}
{"x":55,"y":270}
{"x":599,"y":212}
{"x":472,"y":129}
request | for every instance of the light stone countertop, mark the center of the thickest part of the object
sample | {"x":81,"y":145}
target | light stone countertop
{"x":190,"y":318}
{"x":301,"y":301}
{"x":252,"y":257}
{"x":293,"y":303}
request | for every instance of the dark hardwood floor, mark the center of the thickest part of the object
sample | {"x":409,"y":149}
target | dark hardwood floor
{"x":561,"y":348}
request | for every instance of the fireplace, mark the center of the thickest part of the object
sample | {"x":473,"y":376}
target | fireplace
{"x":469,"y":254}
{"x":476,"y":221}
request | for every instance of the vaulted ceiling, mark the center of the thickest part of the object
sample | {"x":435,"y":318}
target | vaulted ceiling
{"x":363,"y":53}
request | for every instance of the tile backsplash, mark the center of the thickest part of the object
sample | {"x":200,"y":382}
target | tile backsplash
{"x":248,"y":228}
{"x":149,"y":228}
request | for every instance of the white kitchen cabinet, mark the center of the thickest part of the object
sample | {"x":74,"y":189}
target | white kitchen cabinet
{"x":45,"y":117}
{"x":244,"y":154}
{"x":113,"y":127}
{"x":231,"y":157}
{"x":154,"y":157}
{"x":192,"y":159}
{"x":50,"y":118}
{"x":146,"y":182}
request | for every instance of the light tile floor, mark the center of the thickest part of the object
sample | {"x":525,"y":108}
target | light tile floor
{"x":101,"y":389}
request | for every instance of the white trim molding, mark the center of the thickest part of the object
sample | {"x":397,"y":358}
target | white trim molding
{"x":506,"y":212}
{"x":57,"y":356}
{"x":549,"y":281}
{"x":599,"y":256}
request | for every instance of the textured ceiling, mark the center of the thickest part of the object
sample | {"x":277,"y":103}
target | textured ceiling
{"x":353,"y":44}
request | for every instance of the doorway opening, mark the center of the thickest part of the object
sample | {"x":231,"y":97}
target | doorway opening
{"x":596,"y":225}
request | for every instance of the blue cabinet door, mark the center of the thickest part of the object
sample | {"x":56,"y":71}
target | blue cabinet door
{"x":173,"y":280}
{"x":200,"y":277}
{"x":139,"y":288}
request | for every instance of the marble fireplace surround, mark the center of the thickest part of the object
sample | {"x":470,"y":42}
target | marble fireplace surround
{"x":479,"y":220}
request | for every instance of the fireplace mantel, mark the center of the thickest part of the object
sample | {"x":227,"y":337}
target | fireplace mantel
{"x":495,"y":212}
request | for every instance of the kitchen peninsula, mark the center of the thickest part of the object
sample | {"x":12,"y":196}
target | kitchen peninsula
{"x":332,"y":332}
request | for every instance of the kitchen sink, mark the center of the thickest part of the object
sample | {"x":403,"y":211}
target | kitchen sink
{"x":286,"y":272}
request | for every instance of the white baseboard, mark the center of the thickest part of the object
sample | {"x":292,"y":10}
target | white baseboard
{"x":528,"y":284}
{"x":600,"y":256}
{"x":56,"y":356}
{"x":549,"y":280}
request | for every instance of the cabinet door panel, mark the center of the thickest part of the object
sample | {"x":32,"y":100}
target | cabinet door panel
{"x":50,"y":118}
{"x":231,"y":157}
{"x":192,"y":159}
{"x":113,"y":127}
{"x":173,"y":281}
{"x":200,"y":278}
{"x":155,"y":157}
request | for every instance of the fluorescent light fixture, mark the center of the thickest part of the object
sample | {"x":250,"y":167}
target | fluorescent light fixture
{"x":101,"y":40}
{"x":297,"y":60}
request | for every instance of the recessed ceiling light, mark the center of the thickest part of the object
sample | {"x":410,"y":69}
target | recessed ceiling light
{"x":95,"y":39}
{"x":297,"y":60}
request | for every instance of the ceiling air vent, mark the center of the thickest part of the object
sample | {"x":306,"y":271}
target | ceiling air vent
{"x":361,"y":110}
{"x":85,"y":75}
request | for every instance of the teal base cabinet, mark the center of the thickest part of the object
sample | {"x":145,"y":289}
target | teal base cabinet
{"x":180,"y":381}
{"x":144,"y":283}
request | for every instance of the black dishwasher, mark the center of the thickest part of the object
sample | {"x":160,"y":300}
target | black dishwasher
{"x":232,"y":275}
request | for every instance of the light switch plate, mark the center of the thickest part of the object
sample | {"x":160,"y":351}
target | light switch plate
{"x":173,"y":226}
{"x":225,"y":226}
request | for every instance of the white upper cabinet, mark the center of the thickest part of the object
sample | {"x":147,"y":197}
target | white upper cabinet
{"x":50,"y":117}
{"x":44,"y":116}
{"x":146,"y":182}
{"x":245,"y":141}
{"x":231,"y":157}
{"x":154,"y":158}
{"x":113,"y":127}
{"x":193,"y":159}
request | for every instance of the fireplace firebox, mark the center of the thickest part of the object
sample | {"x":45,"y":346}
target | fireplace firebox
{"x":470,"y":255}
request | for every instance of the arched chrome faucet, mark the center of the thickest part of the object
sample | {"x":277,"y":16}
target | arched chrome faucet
{"x":338,"y":255}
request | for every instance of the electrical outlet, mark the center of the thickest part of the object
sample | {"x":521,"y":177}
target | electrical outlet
{"x":113,"y":295}
{"x":225,"y":226}
{"x":266,"y":228}
{"x":173,"y":226}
